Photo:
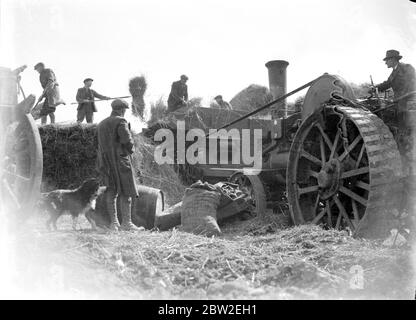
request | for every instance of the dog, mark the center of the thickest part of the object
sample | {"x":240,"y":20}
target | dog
{"x":74,"y":202}
{"x":98,"y":216}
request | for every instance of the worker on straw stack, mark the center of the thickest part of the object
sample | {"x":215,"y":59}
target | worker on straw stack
{"x":50,"y":92}
{"x":178,"y":97}
{"x":221,"y":103}
{"x":86,"y":105}
{"x":115,"y":146}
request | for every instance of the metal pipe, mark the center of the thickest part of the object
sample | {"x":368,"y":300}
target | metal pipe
{"x":277,"y":81}
{"x":267,"y":105}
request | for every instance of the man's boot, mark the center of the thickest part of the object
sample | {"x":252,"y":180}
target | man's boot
{"x":126,"y":224}
{"x":110,"y":198}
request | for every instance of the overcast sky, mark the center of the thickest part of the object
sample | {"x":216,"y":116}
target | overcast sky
{"x":221,"y":45}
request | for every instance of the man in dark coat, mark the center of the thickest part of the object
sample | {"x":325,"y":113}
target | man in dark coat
{"x":178,"y":96}
{"x":50,"y":92}
{"x":402,"y":79}
{"x":115,"y":147}
{"x":403,"y":82}
{"x":222,"y":103}
{"x":86,"y":105}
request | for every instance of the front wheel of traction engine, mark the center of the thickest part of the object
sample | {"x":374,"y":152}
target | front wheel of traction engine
{"x":22,"y":166}
{"x":344,"y":172}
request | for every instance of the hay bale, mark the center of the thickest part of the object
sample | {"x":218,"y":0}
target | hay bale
{"x":158,"y":112}
{"x":137,"y":89}
{"x":251,"y":98}
{"x":70,"y":152}
{"x":163,"y":177}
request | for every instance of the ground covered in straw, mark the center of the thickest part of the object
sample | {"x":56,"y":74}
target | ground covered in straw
{"x":253,"y":259}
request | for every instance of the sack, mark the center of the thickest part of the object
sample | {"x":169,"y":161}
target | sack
{"x":199,"y":211}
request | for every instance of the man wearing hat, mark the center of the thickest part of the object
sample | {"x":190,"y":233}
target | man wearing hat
{"x":115,"y":147}
{"x":403,"y":82}
{"x":50,"y":92}
{"x":221,"y":103}
{"x":86,"y":105}
{"x":178,"y":96}
{"x":402,"y":79}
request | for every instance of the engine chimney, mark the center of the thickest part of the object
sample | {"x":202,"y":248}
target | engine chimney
{"x":277,"y":83}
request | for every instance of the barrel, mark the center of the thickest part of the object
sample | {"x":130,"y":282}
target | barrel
{"x":151,"y":202}
{"x":144,"y":208}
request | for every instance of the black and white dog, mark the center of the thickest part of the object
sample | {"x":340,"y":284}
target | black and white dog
{"x":74,"y":202}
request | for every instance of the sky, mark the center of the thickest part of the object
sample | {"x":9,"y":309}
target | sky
{"x":221,"y":45}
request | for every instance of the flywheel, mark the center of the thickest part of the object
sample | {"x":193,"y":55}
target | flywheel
{"x":344,"y":172}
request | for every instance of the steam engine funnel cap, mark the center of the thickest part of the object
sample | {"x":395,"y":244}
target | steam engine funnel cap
{"x":277,"y":63}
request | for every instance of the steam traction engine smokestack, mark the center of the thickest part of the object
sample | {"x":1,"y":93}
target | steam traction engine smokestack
{"x":277,"y":81}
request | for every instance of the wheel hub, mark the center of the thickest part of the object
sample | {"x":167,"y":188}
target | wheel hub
{"x":328,"y":178}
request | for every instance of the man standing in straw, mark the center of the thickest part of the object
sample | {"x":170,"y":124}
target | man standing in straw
{"x":178,"y":97}
{"x":115,"y":147}
{"x":86,"y":105}
{"x":50,"y":92}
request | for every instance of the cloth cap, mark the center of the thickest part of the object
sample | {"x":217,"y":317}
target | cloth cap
{"x":88,"y":79}
{"x":392,"y":54}
{"x":40,"y":64}
{"x":184,"y":77}
{"x":119,"y":104}
{"x":218,"y":97}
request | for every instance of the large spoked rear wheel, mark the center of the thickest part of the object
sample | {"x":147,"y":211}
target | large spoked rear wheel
{"x":345,"y":171}
{"x":22,"y":165}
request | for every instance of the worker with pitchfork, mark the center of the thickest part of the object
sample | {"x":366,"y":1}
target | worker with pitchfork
{"x":50,"y":92}
{"x":86,"y":105}
{"x":178,"y":97}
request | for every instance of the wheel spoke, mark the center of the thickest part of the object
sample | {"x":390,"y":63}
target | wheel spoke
{"x":360,"y":156}
{"x":319,"y":216}
{"x":353,"y":195}
{"x":338,"y":221}
{"x":350,"y":147}
{"x":308,"y":189}
{"x":343,"y":212}
{"x":355,"y":172}
{"x":15,"y":175}
{"x":355,"y":211}
{"x":325,"y":136}
{"x":315,"y":207}
{"x":11,"y":193}
{"x":328,"y":210}
{"x":323,"y":156}
{"x":363,"y":185}
{"x":334,"y":147}
{"x":311,"y":158}
{"x":312,"y":173}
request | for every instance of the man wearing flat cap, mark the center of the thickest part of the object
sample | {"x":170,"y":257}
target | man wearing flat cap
{"x":50,"y":92}
{"x":115,"y":147}
{"x":86,"y":105}
{"x":178,"y":96}
{"x":222,"y":103}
